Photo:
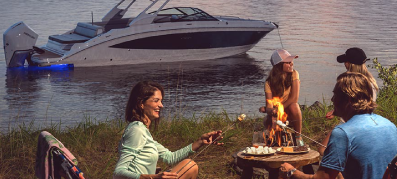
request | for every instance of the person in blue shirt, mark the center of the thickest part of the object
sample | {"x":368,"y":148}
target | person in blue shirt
{"x":139,"y":152}
{"x":364,"y":145}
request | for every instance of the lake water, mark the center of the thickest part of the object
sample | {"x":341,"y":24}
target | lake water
{"x":317,"y":31}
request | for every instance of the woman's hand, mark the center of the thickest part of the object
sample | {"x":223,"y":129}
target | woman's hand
{"x":330,"y":114}
{"x":269,"y":111}
{"x":207,"y":139}
{"x":262,"y":109}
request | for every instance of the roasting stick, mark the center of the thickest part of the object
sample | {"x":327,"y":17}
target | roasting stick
{"x":281,"y":124}
{"x":240,"y":118}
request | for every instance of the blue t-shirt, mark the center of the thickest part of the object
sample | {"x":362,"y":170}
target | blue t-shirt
{"x":362,"y":147}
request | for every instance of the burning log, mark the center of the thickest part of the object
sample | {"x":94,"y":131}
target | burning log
{"x":278,"y":136}
{"x":278,"y":122}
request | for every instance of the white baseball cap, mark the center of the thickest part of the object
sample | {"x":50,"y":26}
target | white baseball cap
{"x":281,"y":55}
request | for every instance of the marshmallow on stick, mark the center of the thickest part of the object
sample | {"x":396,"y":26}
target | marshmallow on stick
{"x":281,"y":124}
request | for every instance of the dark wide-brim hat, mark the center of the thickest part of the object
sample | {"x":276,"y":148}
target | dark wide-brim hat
{"x":353,"y":55}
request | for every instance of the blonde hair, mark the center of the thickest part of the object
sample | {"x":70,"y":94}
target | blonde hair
{"x":356,"y":89}
{"x":363,"y":70}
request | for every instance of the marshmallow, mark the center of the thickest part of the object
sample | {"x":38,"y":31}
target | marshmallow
{"x":281,"y":124}
{"x":265,"y":150}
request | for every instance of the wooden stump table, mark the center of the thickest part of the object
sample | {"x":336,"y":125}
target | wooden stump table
{"x":272,"y":163}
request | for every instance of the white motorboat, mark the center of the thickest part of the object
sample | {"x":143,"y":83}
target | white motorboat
{"x":165,"y":35}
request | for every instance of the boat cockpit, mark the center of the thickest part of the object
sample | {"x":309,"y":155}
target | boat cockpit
{"x":86,"y":31}
{"x":178,"y":14}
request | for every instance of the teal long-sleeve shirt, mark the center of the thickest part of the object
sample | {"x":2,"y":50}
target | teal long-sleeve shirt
{"x":139,"y":153}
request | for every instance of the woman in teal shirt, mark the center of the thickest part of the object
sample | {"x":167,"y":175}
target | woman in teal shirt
{"x":139,"y":152}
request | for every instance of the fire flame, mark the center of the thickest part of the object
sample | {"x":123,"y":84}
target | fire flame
{"x":276,"y":102}
{"x":281,"y":115}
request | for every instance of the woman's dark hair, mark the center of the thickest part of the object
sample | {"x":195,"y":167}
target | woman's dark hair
{"x":277,"y":82}
{"x":141,"y":92}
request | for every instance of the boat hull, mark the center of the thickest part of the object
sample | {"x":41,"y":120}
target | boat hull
{"x":140,"y":56}
{"x":169,"y":45}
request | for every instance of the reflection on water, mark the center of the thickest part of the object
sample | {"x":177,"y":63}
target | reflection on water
{"x":26,"y":95}
{"x":69,"y":94}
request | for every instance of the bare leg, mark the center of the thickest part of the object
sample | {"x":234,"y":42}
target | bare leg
{"x":190,"y":171}
{"x":295,"y":116}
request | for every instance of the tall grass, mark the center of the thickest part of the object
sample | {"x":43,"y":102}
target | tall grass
{"x":387,"y":98}
{"x":94,"y":143}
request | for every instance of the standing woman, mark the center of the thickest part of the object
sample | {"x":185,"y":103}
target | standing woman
{"x":139,"y":152}
{"x":283,"y":82}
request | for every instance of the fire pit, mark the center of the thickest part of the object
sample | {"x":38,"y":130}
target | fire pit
{"x":274,"y":135}
{"x":274,"y":138}
{"x":279,"y":138}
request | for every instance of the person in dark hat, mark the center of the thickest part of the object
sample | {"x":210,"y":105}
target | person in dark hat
{"x":353,"y":55}
{"x":354,"y":60}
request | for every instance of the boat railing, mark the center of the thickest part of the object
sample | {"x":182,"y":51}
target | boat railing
{"x":116,"y":13}
{"x":227,"y":17}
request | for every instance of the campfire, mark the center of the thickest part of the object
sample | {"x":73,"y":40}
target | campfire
{"x":274,"y":135}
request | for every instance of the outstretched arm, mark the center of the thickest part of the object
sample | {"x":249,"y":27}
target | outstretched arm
{"x":207,"y":139}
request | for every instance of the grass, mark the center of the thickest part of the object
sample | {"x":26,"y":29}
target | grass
{"x":94,"y":143}
{"x":387,"y":104}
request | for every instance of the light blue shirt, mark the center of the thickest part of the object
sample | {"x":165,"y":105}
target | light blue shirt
{"x":362,"y":147}
{"x":139,"y":153}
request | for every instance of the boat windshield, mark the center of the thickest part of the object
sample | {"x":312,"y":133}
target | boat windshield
{"x":177,"y":14}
